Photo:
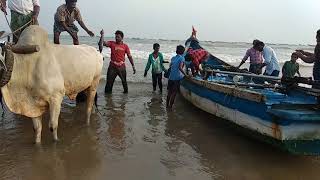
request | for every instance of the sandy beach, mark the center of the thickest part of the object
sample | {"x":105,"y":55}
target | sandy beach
{"x":135,"y":137}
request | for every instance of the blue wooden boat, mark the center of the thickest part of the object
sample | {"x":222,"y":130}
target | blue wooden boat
{"x":288,"y":119}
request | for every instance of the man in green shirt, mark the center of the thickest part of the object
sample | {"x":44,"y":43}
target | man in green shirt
{"x":290,"y":68}
{"x":156,"y":60}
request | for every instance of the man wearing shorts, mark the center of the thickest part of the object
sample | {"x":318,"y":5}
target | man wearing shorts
{"x":64,"y":21}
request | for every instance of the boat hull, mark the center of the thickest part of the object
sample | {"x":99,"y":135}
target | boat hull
{"x":295,"y":137}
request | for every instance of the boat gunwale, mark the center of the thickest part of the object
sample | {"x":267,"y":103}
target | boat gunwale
{"x":230,"y":90}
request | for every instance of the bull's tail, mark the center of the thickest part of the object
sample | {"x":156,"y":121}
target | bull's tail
{"x":96,"y":104}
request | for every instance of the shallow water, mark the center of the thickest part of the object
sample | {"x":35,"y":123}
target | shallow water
{"x":136,"y":138}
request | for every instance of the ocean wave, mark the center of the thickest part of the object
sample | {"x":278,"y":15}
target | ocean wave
{"x":139,"y":54}
{"x":231,"y":52}
{"x":225,"y":56}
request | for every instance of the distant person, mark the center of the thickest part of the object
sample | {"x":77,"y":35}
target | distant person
{"x":270,"y":59}
{"x":22,"y":13}
{"x":64,"y":21}
{"x":256,"y":59}
{"x":117,"y":66}
{"x":313,"y":58}
{"x":156,"y":61}
{"x":176,"y":74}
{"x":196,"y":57}
{"x":291,"y":68}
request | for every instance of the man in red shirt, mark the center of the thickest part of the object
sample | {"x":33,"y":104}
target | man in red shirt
{"x":196,"y":57}
{"x":117,"y":65}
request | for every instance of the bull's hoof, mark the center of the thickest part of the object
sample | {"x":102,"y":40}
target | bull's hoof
{"x":37,"y":142}
{"x":56,"y":140}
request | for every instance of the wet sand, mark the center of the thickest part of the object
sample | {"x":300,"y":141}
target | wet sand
{"x":136,"y":138}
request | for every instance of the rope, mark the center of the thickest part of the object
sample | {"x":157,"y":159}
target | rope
{"x":14,"y":32}
{"x":9,"y":26}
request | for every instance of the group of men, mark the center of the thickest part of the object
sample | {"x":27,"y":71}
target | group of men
{"x":261,"y":56}
{"x":26,"y":12}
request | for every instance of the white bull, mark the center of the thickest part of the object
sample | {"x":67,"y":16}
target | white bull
{"x":40,"y":80}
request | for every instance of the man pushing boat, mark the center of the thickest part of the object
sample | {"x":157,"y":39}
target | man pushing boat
{"x":270,"y":59}
{"x":196,"y":57}
{"x":256,"y":59}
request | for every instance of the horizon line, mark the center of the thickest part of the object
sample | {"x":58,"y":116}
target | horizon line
{"x":210,"y":41}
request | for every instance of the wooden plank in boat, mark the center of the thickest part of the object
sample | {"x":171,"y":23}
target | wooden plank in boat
{"x":247,"y":74}
{"x":309,"y":91}
{"x":231,"y":90}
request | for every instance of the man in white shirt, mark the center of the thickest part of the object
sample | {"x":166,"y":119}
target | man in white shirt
{"x":270,"y":59}
{"x":22,"y":13}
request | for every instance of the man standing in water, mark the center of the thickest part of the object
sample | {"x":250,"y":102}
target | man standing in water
{"x":64,"y":21}
{"x":176,"y":75}
{"x":117,"y":65}
{"x":308,"y":57}
{"x":156,"y":61}
{"x":22,"y":13}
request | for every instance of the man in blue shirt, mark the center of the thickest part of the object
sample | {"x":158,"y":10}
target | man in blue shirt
{"x":176,"y":74}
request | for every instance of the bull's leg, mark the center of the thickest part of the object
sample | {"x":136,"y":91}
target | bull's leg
{"x":55,"y":106}
{"x":91,"y":92}
{"x":37,"y":127}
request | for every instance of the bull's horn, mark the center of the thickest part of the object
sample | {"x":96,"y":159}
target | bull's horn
{"x":27,"y":49}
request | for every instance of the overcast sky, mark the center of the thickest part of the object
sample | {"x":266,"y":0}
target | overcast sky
{"x":273,"y":21}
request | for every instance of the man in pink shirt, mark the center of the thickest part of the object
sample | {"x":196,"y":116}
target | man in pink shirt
{"x":117,"y":65}
{"x":256,"y":60}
